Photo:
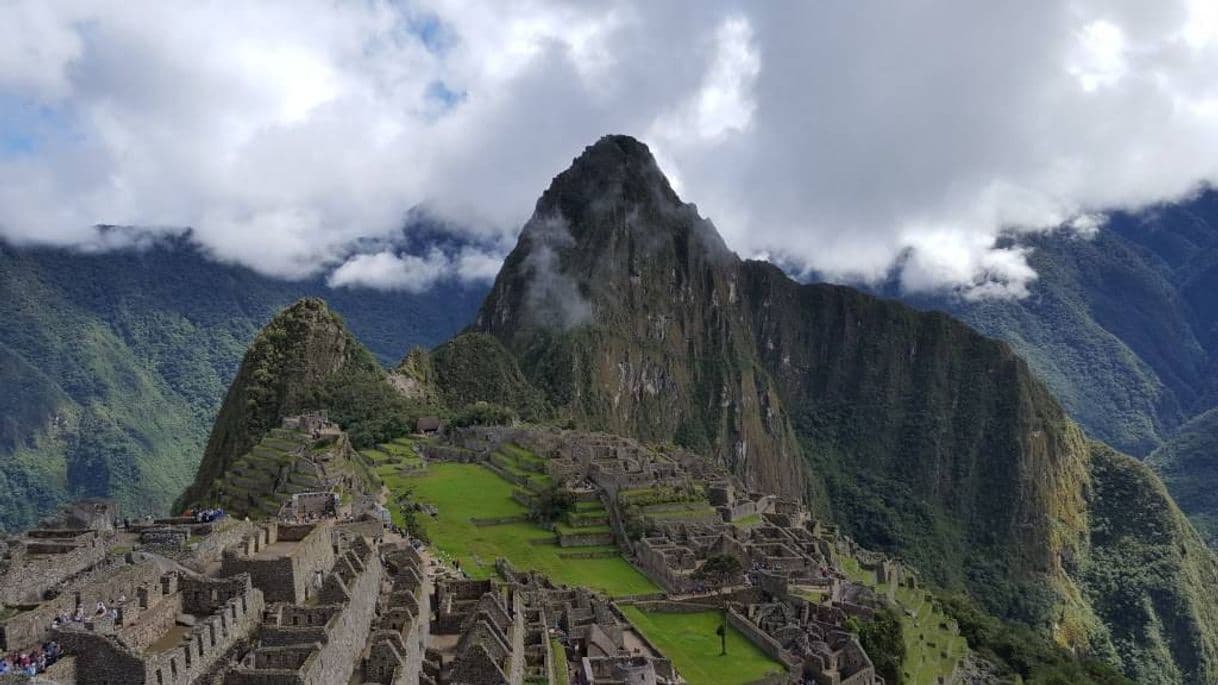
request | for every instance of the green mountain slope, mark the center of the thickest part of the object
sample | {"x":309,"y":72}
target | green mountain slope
{"x":305,"y":359}
{"x":113,"y":365}
{"x":1188,"y":464}
{"x":1149,"y":575}
{"x":1122,"y":327}
{"x":920,"y":436}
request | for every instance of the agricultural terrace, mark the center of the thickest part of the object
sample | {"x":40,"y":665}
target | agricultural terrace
{"x":465,"y":493}
{"x":391,"y":460}
{"x":931,"y":649}
{"x":692,"y":642}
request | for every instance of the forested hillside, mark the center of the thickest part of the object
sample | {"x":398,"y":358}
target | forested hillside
{"x":113,"y":365}
{"x":1123,"y":327}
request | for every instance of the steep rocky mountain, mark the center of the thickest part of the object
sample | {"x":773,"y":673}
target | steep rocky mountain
{"x":113,"y":364}
{"x":623,"y":306}
{"x":1121,"y":325}
{"x":919,"y":435}
{"x":305,"y":359}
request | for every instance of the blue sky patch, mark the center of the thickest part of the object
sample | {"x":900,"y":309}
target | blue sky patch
{"x":27,"y":126}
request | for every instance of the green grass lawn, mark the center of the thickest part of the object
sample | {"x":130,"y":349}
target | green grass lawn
{"x":465,"y":491}
{"x":693,"y":645}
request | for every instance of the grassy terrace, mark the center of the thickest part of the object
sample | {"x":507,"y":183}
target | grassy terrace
{"x":930,"y":650}
{"x":462,"y":492}
{"x":387,"y":460}
{"x":691,"y":641}
{"x":523,"y":464}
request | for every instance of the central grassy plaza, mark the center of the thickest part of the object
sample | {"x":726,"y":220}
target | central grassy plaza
{"x":463,"y":493}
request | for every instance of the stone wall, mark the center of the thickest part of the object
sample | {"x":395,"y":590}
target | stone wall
{"x":313,"y":503}
{"x":290,"y":577}
{"x":766,"y":644}
{"x":211,"y":548}
{"x":165,"y":537}
{"x":142,"y":628}
{"x":105,"y":660}
{"x":356,"y":582}
{"x":372,"y":529}
{"x":44,"y":563}
{"x":119,"y":582}
{"x":585,"y":539}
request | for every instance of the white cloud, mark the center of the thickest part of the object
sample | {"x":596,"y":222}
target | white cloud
{"x":387,"y":270}
{"x":1100,"y":58}
{"x":839,"y":137}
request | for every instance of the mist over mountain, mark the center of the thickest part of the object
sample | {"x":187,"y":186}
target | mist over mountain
{"x":1121,"y":325}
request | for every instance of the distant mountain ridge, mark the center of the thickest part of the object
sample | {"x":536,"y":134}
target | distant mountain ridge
{"x":1123,"y":327}
{"x":113,"y":364}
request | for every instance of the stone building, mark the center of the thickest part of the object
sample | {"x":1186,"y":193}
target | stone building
{"x":317,"y":642}
{"x":46,"y":558}
{"x":286,"y":561}
{"x":401,"y":630}
{"x":172,"y":633}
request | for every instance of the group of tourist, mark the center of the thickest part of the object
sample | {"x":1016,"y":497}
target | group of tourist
{"x":33,"y":662}
{"x":207,"y":515}
{"x":100,"y":611}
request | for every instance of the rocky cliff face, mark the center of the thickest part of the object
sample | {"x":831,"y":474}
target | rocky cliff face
{"x":283,"y":373}
{"x":922,"y":437}
{"x":622,"y":305}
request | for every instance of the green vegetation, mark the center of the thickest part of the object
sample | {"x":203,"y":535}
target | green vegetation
{"x":114,"y":364}
{"x":884,"y":640}
{"x":484,"y":414}
{"x":475,"y":367}
{"x":1149,"y":576}
{"x":359,"y":399}
{"x":462,"y":492}
{"x":927,"y":647}
{"x":722,"y":569}
{"x":692,"y":642}
{"x":1019,"y":651}
{"x":550,"y":505}
{"x":304,"y":359}
{"x":558,"y":669}
{"x":1188,"y":464}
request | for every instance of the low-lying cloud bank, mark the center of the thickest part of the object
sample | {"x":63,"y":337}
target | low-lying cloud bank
{"x":846,"y":139}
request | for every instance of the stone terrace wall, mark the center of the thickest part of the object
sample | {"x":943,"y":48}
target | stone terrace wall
{"x":210,"y":549}
{"x":30,"y":573}
{"x":124,"y":580}
{"x":100,"y":659}
{"x":105,"y":660}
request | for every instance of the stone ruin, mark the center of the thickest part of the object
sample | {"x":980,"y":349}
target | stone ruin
{"x":66,"y":544}
{"x":602,"y":646}
{"x":791,"y":599}
{"x":315,"y":423}
{"x":334,"y":601}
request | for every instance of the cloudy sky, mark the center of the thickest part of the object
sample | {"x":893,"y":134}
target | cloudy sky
{"x":837,"y":136}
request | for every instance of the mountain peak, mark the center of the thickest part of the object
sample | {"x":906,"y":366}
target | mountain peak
{"x":608,"y":226}
{"x":615,"y":185}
